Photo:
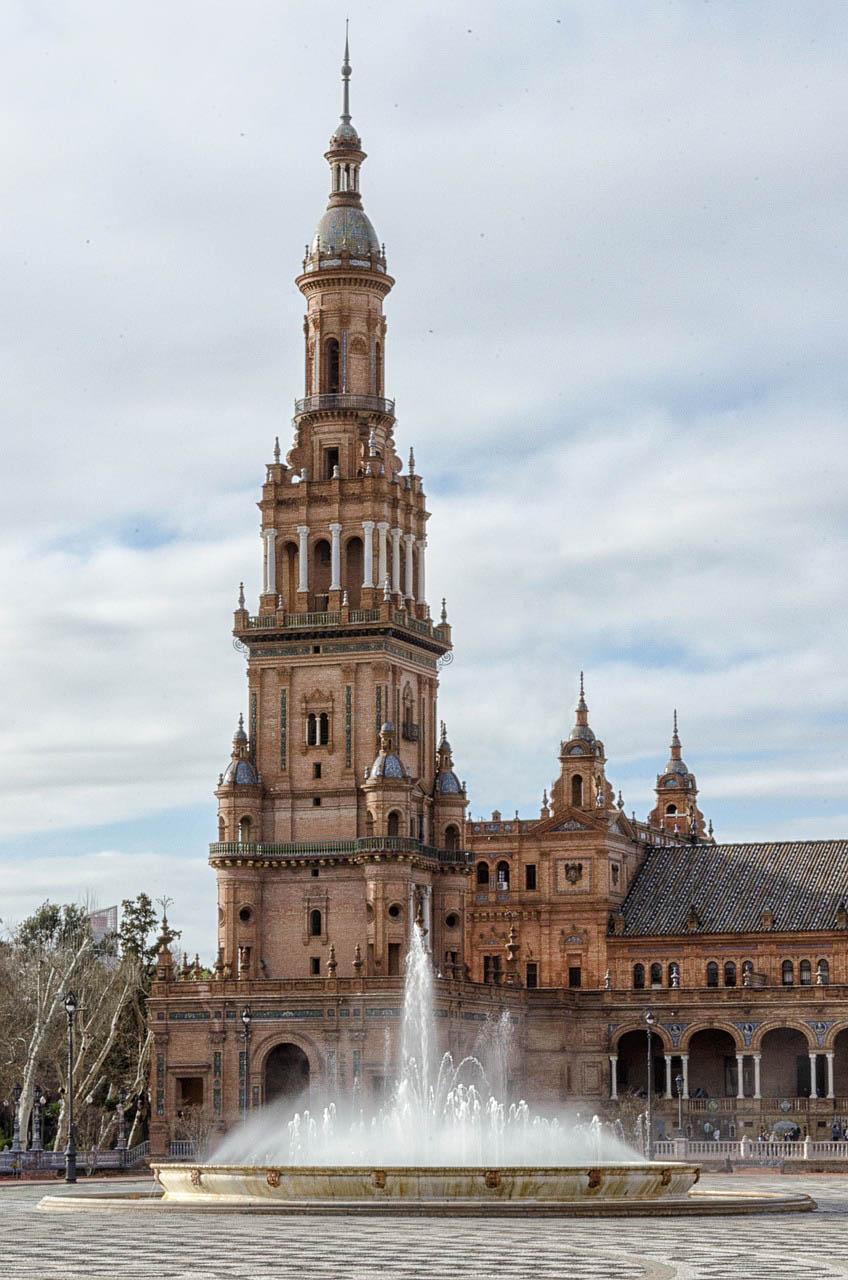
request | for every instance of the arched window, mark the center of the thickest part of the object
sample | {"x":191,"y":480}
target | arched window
{"x":787,"y":973}
{"x":730,"y":973}
{"x":638,"y":976}
{"x":712,"y":974}
{"x":656,"y":975}
{"x":323,"y":729}
{"x":288,"y":571}
{"x":451,"y":838}
{"x":315,"y":924}
{"x":671,"y":809}
{"x":502,"y":876}
{"x":244,"y":830}
{"x":332,"y":384}
{"x":369,"y":824}
{"x":222,"y":829}
{"x":483,"y":873}
{"x":312,"y":730}
{"x":354,"y":571}
{"x":822,"y":973}
{"x":747,"y":972}
{"x":321,"y":564}
{"x":577,"y":791}
{"x":805,"y":973}
{"x":673,"y":974}
{"x":378,"y":369}
{"x":393,"y":828}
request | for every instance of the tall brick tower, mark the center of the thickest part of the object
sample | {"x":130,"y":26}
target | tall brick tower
{"x":332,"y":801}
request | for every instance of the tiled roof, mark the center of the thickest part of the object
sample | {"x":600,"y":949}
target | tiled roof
{"x":731,"y":886}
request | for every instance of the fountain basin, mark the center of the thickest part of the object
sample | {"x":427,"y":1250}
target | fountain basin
{"x":531,"y":1185}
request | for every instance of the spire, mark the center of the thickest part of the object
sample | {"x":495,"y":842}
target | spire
{"x":581,"y":721}
{"x":346,"y":70}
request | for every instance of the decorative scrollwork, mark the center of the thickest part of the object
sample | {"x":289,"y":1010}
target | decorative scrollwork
{"x":241,"y":648}
{"x":445,"y":660}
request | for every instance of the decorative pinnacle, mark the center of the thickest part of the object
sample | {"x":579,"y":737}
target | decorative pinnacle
{"x":241,"y":595}
{"x":411,"y":461}
{"x":581,"y":705}
{"x":276,"y":449}
{"x":444,"y":610}
{"x":675,"y":740}
{"x":346,"y":71}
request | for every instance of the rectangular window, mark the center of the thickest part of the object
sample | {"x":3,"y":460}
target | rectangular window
{"x":532,"y":975}
{"x":492,"y":969}
{"x":316,"y":771}
{"x":316,"y":800}
{"x":331,"y":460}
{"x":315,"y":966}
{"x":574,"y":976}
{"x":394,"y":959}
{"x":530,"y":876}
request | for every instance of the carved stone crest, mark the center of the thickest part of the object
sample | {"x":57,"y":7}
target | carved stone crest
{"x":196,"y":1177}
{"x":379,"y":1177}
{"x":573,"y":872}
{"x":272,"y":1177}
{"x":493,"y":1178}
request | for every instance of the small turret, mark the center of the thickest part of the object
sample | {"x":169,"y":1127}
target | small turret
{"x":582,"y":782}
{"x":676,"y":809}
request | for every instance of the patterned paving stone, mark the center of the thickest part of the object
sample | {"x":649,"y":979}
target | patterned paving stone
{"x":149,"y":1246}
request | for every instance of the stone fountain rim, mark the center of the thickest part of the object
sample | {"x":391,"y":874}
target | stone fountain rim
{"x":621,"y":1166}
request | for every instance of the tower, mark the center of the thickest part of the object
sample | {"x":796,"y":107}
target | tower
{"x":340,"y":755}
{"x":677,"y":809}
{"x":582,"y":783}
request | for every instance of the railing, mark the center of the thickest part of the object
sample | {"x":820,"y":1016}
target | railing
{"x":17,"y":1162}
{"x":406,"y":620}
{"x":333,"y":618}
{"x":182,"y":1150}
{"x":325,"y":848}
{"x":365,"y":615}
{"x":326,"y":618}
{"x":750,"y":1152}
{"x":372,"y":404}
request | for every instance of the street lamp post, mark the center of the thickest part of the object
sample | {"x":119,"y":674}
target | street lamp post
{"x":71,"y":1148}
{"x":16,"y":1119}
{"x":650,"y":1023}
{"x":678,"y":1084}
{"x":39,"y":1102}
{"x":121,"y":1144}
{"x":246,"y":1017}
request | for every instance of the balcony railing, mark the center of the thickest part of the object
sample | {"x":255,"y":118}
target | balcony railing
{"x":371,"y":404}
{"x":333,"y":618}
{"x":331,"y":848}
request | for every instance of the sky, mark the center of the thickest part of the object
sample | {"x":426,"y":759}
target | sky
{"x":616,"y":342}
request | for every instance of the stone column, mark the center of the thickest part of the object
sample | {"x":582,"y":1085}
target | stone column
{"x":269,"y":564}
{"x":740,"y":1075}
{"x":410,"y":909}
{"x":335,"y":558}
{"x":409,"y":542}
{"x":667,"y":1057}
{"x":814,"y":1093}
{"x":368,"y":553}
{"x":757,"y":1060}
{"x":428,"y":916}
{"x":303,"y":557}
{"x":684,"y":1065}
{"x":830,"y":1089}
{"x":422,"y":583}
{"x":613,"y":1076}
{"x":396,"y":561}
{"x":382,"y":561}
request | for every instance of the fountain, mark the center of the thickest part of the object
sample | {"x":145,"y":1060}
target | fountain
{"x":440,"y":1143}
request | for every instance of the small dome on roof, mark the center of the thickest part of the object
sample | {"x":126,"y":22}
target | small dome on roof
{"x":345,"y":134}
{"x":387,"y":765}
{"x":447,"y":783}
{"x":241,"y":773}
{"x":346,"y":227}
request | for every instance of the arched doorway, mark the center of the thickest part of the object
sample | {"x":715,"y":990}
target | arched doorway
{"x":840,"y":1064}
{"x":712,"y":1064}
{"x":286,"y":1073}
{"x":353,"y":571}
{"x":785,"y":1064}
{"x":632,"y":1068}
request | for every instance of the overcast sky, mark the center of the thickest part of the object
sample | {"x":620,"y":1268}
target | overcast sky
{"x":617,"y":343}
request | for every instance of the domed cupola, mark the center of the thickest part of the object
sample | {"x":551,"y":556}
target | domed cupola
{"x":447,"y":783}
{"x":676,"y":809}
{"x":387,"y":764}
{"x":240,"y":770}
{"x":345,"y":227}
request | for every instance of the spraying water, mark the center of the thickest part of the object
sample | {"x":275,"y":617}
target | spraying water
{"x":436,"y":1112}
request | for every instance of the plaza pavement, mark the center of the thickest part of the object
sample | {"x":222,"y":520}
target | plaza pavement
{"x":145,"y":1245}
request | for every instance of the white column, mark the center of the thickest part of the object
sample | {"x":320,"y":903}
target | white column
{"x":684,"y":1063}
{"x":422,"y":584}
{"x":613,"y":1076}
{"x":368,"y":553}
{"x":410,"y":910}
{"x":396,"y":560}
{"x":303,"y":557}
{"x":830,"y":1089}
{"x":667,"y":1057}
{"x":336,"y":558}
{"x":740,"y":1075}
{"x":382,"y":565}
{"x":757,"y":1060}
{"x":409,"y":543}
{"x":269,"y":564}
{"x":813,"y":1090}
